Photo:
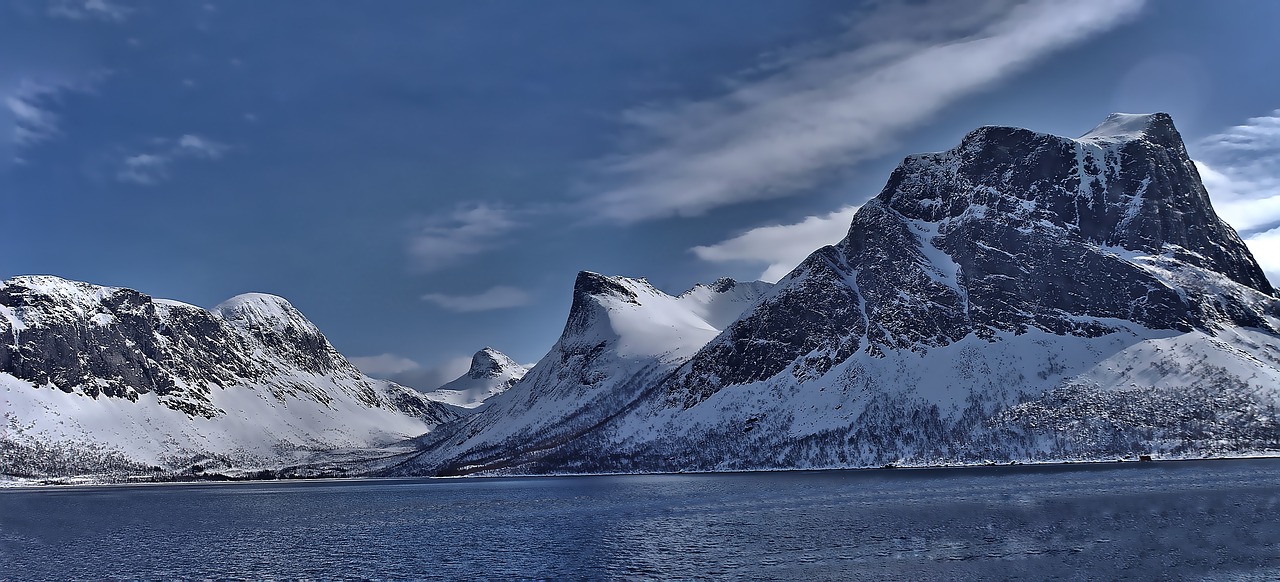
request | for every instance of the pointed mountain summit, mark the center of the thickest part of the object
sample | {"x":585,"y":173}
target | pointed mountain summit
{"x":489,"y":362}
{"x":621,"y":336}
{"x":1022,"y":296}
{"x":491,"y":373}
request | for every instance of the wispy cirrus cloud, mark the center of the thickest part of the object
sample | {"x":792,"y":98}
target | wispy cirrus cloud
{"x":444,"y":239}
{"x":780,"y":246}
{"x":32,"y":123}
{"x":104,"y":10}
{"x":27,"y":109}
{"x":153,"y":165}
{"x":805,"y":115}
{"x":498,"y":297}
{"x":1240,"y":167}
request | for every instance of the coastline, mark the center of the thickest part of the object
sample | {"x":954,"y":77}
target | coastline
{"x":23,"y":484}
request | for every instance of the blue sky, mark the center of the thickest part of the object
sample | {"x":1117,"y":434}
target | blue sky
{"x":424,"y":179}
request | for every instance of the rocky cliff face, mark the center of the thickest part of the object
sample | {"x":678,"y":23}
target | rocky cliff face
{"x":1022,"y":296}
{"x":1009,"y":231}
{"x":150,"y":379}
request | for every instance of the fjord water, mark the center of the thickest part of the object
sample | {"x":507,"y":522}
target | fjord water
{"x":1204,"y":519}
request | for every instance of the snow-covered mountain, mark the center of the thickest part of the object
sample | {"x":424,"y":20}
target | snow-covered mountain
{"x":1022,"y":296}
{"x":622,"y":335}
{"x":491,"y":373}
{"x":102,"y":379}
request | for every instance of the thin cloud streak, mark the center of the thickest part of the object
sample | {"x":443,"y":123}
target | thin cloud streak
{"x":384,"y":365}
{"x":499,"y":297}
{"x":780,"y":246}
{"x":103,"y":10}
{"x":774,"y":136}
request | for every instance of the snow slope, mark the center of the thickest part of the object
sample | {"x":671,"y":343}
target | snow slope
{"x":491,"y":373}
{"x":107,"y":380}
{"x":1021,"y":297}
{"x":621,"y":333}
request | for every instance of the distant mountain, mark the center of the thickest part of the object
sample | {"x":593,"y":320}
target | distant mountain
{"x":622,"y":335}
{"x":1022,"y":296}
{"x":102,"y":379}
{"x":491,"y":373}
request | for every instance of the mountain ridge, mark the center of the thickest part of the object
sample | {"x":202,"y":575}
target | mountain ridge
{"x":155,"y":383}
{"x":1022,"y":296}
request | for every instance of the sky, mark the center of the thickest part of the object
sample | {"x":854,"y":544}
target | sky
{"x":425,"y":179}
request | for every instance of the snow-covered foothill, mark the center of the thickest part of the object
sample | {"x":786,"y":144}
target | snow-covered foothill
{"x":104,"y":380}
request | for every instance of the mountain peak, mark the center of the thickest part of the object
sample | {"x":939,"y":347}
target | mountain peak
{"x":491,"y":373}
{"x":489,"y":362}
{"x":262,"y":310}
{"x":1127,"y":184}
{"x":723,"y":284}
{"x":594,"y":284}
{"x":1131,"y":126}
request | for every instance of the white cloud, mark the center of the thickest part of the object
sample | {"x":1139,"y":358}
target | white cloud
{"x":1265,"y":247}
{"x":1240,"y":167}
{"x":499,"y":297}
{"x":197,"y":146}
{"x":1241,"y":170}
{"x":89,"y":10}
{"x":383,"y":365}
{"x":410,"y":373}
{"x":442,"y":240}
{"x":1247,"y":197}
{"x":803,"y":117}
{"x":153,"y":166}
{"x":31,"y":124}
{"x":780,"y":246}
{"x":427,"y":379}
{"x":1256,"y":134}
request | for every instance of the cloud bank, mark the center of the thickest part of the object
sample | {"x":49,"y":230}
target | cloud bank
{"x":1240,"y":167}
{"x":804,"y":117}
{"x":780,"y":246}
{"x":407,"y":372}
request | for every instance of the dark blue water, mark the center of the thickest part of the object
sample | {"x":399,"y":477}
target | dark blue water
{"x":1213,"y":519}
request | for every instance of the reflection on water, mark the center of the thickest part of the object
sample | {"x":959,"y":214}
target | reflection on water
{"x":1213,"y":519}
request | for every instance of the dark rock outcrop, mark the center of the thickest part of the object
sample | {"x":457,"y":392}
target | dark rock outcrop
{"x":1010,"y":230}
